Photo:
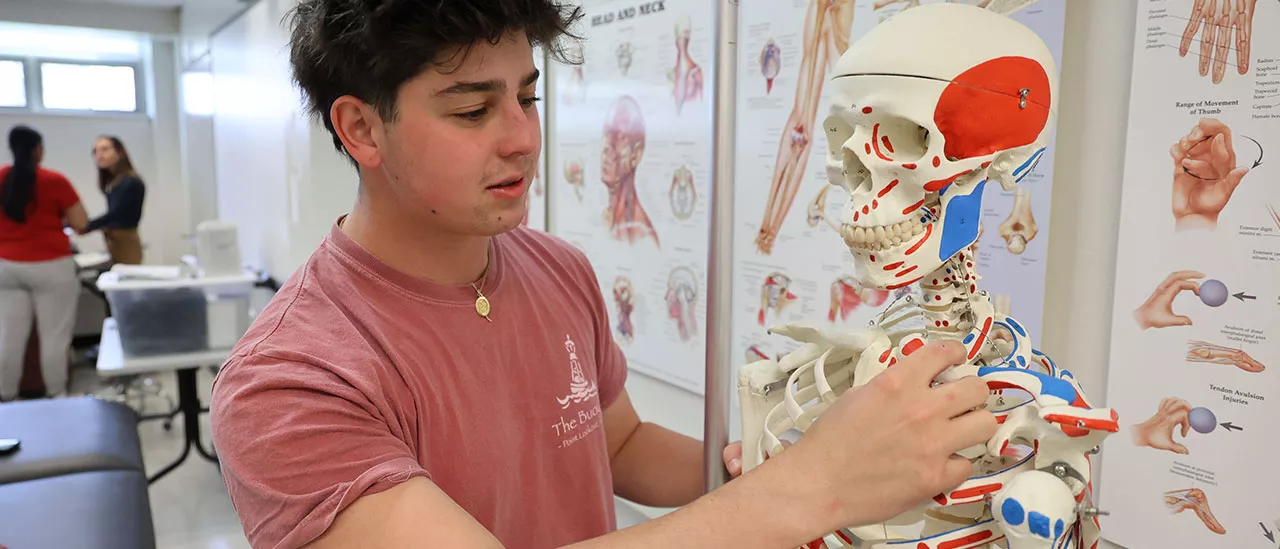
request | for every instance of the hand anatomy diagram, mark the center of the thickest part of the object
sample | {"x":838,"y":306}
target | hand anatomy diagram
{"x":623,"y":149}
{"x":1226,"y":35}
{"x":686,"y":77}
{"x":826,"y":36}
{"x":1157,"y":432}
{"x":1201,"y":351}
{"x":1205,"y":175}
{"x":1157,"y":310}
{"x":1020,"y":227}
{"x":1196,"y":501}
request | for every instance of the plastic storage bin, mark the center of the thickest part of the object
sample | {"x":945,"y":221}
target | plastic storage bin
{"x":174,"y":316}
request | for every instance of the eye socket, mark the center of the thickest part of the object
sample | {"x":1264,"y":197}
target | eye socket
{"x":899,"y":140}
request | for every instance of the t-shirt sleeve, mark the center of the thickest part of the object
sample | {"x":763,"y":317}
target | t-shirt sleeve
{"x":297,"y":445}
{"x":611,"y":373}
{"x":64,"y":194}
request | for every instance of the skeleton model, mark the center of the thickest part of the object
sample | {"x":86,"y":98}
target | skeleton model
{"x":918,"y":127}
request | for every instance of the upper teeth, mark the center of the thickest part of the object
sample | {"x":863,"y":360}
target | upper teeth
{"x":882,"y":237}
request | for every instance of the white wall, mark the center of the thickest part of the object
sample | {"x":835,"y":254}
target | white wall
{"x":153,"y":20}
{"x":278,"y":176}
{"x":197,"y":21}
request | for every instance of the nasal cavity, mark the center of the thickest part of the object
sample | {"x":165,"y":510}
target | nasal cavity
{"x":856,"y":174}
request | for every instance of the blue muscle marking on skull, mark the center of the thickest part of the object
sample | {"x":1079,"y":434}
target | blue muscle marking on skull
{"x":963,"y":217}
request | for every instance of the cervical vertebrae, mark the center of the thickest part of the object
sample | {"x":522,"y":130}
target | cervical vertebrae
{"x":918,"y":126}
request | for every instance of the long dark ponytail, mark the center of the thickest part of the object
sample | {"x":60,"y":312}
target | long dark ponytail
{"x":20,"y":186}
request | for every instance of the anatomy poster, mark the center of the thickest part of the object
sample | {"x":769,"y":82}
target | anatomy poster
{"x":1195,"y":344}
{"x":790,"y":264}
{"x":631,"y":161}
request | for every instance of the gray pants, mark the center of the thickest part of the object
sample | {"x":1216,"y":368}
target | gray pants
{"x":49,"y":292}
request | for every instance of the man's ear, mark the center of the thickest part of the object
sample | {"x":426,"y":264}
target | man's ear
{"x":360,"y":129}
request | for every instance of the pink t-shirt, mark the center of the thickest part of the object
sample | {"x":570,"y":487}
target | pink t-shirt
{"x":358,"y":377}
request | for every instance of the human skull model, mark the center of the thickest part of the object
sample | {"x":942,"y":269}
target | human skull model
{"x":927,"y":109}
{"x":915,"y":137}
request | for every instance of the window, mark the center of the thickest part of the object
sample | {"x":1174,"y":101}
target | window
{"x":13,"y":84}
{"x":83,"y":87}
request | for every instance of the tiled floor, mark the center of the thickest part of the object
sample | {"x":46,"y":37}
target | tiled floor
{"x":190,"y":506}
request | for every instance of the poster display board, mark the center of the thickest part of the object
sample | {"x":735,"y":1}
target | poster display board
{"x":632,"y":165}
{"x":1195,"y":342}
{"x":790,"y":264}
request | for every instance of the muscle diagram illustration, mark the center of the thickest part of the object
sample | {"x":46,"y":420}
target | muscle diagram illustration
{"x":683,"y":194}
{"x":1020,"y":227}
{"x":1205,"y":174}
{"x":624,"y":298}
{"x":1203,"y":351}
{"x":682,"y":301}
{"x":847,"y":296}
{"x":573,"y":176}
{"x":1194,"y":500}
{"x":624,"y":53}
{"x":1226,"y":38}
{"x":770,"y":64}
{"x":826,"y":36}
{"x":619,"y":157}
{"x":686,"y":76}
{"x":918,"y":128}
{"x":775,"y":295}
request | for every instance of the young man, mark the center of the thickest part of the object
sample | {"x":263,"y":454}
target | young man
{"x":437,"y":376}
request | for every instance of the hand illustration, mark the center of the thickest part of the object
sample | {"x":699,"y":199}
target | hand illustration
{"x":1020,"y":228}
{"x":1202,"y":351}
{"x":1204,"y":175}
{"x":1222,"y":20}
{"x":1195,"y":500}
{"x":1157,"y":432}
{"x":1157,"y":311}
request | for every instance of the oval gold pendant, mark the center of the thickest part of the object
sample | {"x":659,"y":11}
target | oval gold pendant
{"x":482,"y":306}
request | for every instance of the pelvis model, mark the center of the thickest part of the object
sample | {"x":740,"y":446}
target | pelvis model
{"x":928,"y":109}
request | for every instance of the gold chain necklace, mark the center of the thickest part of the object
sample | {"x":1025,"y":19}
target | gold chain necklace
{"x":482,"y":303}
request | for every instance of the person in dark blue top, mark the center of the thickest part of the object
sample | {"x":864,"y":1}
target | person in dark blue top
{"x":125,"y":193}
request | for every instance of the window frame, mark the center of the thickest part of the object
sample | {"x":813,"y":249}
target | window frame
{"x":32,"y":67}
{"x":26,"y":80}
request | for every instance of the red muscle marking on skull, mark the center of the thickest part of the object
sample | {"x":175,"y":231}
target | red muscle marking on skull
{"x":937,"y":161}
{"x":934,"y":186}
{"x":866,"y":209}
{"x":928,"y":230}
{"x":906,"y":271}
{"x":893,"y":266}
{"x":866,"y":110}
{"x":903,"y":284}
{"x":875,"y":204}
{"x":887,"y":188}
{"x":885,"y":355}
{"x":868,"y":145}
{"x":909,"y":166}
{"x":875,"y":141}
{"x":909,"y":209}
{"x":887,"y":145}
{"x":981,"y":111}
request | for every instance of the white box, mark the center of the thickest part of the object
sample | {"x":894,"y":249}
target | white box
{"x":180,"y":315}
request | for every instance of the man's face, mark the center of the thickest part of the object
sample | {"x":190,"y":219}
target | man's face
{"x":462,"y":151}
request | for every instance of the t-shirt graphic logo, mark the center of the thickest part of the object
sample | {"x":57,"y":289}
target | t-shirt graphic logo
{"x":580,"y":388}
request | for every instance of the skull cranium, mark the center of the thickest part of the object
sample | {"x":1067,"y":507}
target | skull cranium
{"x":914,"y":139}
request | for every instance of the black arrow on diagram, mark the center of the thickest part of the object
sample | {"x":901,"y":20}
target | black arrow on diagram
{"x":1260,"y":151}
{"x":1267,"y":532}
{"x":1243,"y":296}
{"x":1231,"y":427}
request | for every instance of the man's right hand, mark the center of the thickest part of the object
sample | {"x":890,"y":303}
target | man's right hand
{"x":891,"y":445}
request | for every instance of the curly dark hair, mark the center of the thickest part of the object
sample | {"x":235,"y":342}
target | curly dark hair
{"x":369,"y":48}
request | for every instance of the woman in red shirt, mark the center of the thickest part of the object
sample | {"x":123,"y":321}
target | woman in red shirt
{"x":37,"y":272}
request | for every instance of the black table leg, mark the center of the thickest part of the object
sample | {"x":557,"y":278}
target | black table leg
{"x":189,"y":404}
